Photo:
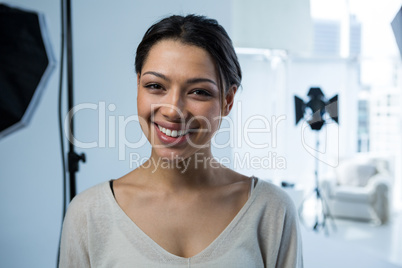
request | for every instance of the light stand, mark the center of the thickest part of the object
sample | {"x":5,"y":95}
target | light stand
{"x":73,"y":157}
{"x":318,"y":105}
{"x":324,"y":212}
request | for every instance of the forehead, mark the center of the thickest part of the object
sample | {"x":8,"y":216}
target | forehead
{"x":174,"y":58}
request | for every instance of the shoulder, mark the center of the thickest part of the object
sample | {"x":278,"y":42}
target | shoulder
{"x":273,"y":194}
{"x":91,"y":194}
{"x":274,"y":202}
{"x":89,"y":199}
{"x":77,"y":224}
{"x":278,"y":225}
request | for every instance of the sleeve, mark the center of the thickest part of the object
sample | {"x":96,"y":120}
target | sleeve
{"x":290,"y":251}
{"x":74,"y":238}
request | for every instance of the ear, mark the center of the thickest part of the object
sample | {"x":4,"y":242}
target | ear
{"x":229,"y":100}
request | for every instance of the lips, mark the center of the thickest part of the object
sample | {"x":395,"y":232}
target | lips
{"x":172,"y":132}
{"x":171,"y":135}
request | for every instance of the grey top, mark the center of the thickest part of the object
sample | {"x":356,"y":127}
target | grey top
{"x":264,"y":233}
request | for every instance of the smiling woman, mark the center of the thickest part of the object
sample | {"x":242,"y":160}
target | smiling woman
{"x":184,"y":99}
{"x":182,"y":208}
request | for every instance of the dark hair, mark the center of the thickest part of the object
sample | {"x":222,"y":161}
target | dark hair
{"x":195,"y":30}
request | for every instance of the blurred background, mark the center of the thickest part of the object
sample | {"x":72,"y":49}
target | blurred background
{"x":345,"y":47}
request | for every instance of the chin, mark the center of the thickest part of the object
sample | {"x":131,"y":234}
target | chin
{"x":171,"y":155}
{"x":168,"y":154}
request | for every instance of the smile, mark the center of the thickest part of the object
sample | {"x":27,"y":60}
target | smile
{"x":172,"y":133}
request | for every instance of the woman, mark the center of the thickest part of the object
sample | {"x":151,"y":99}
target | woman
{"x":182,"y":208}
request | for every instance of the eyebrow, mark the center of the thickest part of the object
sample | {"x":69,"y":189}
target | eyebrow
{"x":189,"y":81}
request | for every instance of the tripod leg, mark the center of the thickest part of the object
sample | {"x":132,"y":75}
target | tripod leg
{"x":324,"y":215}
{"x":317,"y":220}
{"x":301,"y":208}
{"x":327,"y":212}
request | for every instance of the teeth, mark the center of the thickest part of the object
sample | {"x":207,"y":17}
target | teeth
{"x":172,"y":133}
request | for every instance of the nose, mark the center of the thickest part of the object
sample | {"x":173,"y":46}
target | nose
{"x":173,"y":107}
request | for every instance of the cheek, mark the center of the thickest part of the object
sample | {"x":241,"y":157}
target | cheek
{"x":143,"y":104}
{"x":210,"y":117}
{"x":142,"y":119}
{"x":143,"y":112}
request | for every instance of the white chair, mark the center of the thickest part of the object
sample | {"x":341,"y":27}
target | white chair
{"x":359,"y":189}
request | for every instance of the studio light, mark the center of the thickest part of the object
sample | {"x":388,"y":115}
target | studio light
{"x":317,"y":106}
{"x":316,"y":111}
{"x":26,"y":64}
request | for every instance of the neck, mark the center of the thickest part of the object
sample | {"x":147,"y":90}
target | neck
{"x":198,"y":170}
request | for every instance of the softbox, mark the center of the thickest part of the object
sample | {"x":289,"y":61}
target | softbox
{"x":397,"y":28}
{"x":26,"y":63}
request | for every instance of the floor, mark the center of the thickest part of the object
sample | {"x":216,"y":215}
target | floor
{"x":354,"y":243}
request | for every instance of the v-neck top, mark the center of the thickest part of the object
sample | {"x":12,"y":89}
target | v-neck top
{"x":98,"y":233}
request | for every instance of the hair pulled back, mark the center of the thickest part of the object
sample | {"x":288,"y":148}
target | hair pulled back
{"x":199,"y":31}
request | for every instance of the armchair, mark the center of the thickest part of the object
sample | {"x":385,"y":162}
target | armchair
{"x":359,"y":189}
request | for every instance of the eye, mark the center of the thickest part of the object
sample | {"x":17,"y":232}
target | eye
{"x":201,"y":92}
{"x":153,"y":86}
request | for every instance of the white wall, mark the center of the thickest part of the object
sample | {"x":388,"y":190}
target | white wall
{"x":260,"y":118}
{"x":105,"y":37}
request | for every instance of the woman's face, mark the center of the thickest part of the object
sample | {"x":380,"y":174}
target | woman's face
{"x":179,"y":99}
